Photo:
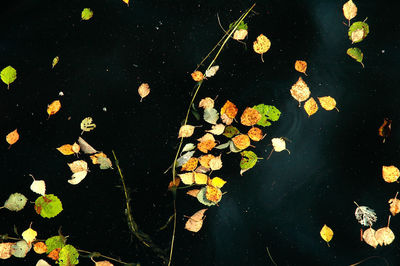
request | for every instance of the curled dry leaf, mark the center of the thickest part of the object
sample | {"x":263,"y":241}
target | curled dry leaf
{"x":206,"y":103}
{"x":390,"y":173}
{"x":369,"y":237}
{"x":217,"y":129}
{"x":53,"y":108}
{"x":394,"y":205}
{"x":66,"y":149}
{"x":143,"y":90}
{"x":216,"y":163}
{"x":190,"y":165}
{"x":310,"y":106}
{"x":240,"y":35}
{"x":12,"y":137}
{"x":195,"y":222}
{"x":197,"y":76}
{"x":212,"y":71}
{"x":300,"y":91}
{"x":301,"y":66}
{"x":241,"y":141}
{"x":349,"y":10}
{"x":261,"y":45}
{"x":186,"y":131}
{"x":385,"y":129}
{"x":328,"y":103}
{"x":250,"y":117}
{"x":326,"y":234}
{"x":255,"y":134}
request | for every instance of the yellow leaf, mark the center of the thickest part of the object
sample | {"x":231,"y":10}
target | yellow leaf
{"x":87,"y":125}
{"x":53,"y":108}
{"x":186,"y":131}
{"x":301,"y":66}
{"x":66,"y":149}
{"x":94,"y":157}
{"x":143,"y":90}
{"x":261,"y":45}
{"x":216,"y":163}
{"x":328,"y":103}
{"x":349,"y":10}
{"x":29,"y":235}
{"x":126,"y":2}
{"x":300,"y":91}
{"x":75,"y":147}
{"x":190,"y":165}
{"x":311,"y":106}
{"x":218,"y":182}
{"x":369,"y":237}
{"x":12,"y":137}
{"x":187,"y":178}
{"x":326,"y":234}
{"x":55,"y":61}
{"x":197,"y":76}
{"x":229,"y":109}
{"x":279,"y":144}
{"x":390,"y":173}
{"x":206,"y":103}
{"x":213,"y":194}
{"x":200,"y":178}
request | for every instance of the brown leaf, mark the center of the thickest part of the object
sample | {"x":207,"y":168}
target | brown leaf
{"x":250,"y":117}
{"x":143,"y":90}
{"x":195,"y":222}
{"x":12,"y":137}
{"x":300,"y":91}
{"x":197,"y":76}
{"x":384,"y":236}
{"x":174,"y":184}
{"x":301,"y":66}
{"x":206,"y":103}
{"x":213,"y":194}
{"x":261,"y":45}
{"x":190,"y":165}
{"x":310,"y":106}
{"x":229,"y":109}
{"x":241,"y":141}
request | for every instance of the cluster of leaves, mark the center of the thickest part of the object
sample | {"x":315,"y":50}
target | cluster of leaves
{"x":357,"y":32}
{"x":198,"y":170}
{"x":301,"y":92}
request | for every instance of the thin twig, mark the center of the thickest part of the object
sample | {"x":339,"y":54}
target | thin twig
{"x":269,"y":255}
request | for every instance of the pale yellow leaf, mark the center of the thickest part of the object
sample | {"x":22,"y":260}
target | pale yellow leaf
{"x":349,"y":10}
{"x":187,"y":178}
{"x":29,"y":235}
{"x":186,"y":131}
{"x":143,"y":90}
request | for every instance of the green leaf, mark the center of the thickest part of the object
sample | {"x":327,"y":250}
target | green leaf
{"x":8,"y":75}
{"x":357,"y":54}
{"x":188,"y":147}
{"x":241,"y":26}
{"x":233,"y":148}
{"x":249,"y":159}
{"x":195,"y":112}
{"x":210,"y":115}
{"x":15,"y":202}
{"x":105,"y":163}
{"x":87,"y":14}
{"x":358,"y":31}
{"x":54,"y":242}
{"x":68,"y":256}
{"x":231,"y":131}
{"x":268,"y":112}
{"x":48,"y":206}
{"x":223,"y":146}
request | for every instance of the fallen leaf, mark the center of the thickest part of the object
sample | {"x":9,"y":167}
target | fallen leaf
{"x":174,"y":185}
{"x":197,"y":76}
{"x":75,"y":148}
{"x":184,"y":158}
{"x":53,"y":108}
{"x":356,"y":54}
{"x":200,"y":178}
{"x":193,"y":192}
{"x":231,"y":131}
{"x":255,"y":134}
{"x":96,"y":156}
{"x":206,"y":103}
{"x":328,"y":103}
{"x":204,"y":160}
{"x":217,"y":129}
{"x":358,"y":31}
{"x":195,"y":222}
{"x":226,"y":120}
{"x":394,"y":205}
{"x":105,"y":162}
{"x":126,"y":2}
{"x":390,"y":173}
{"x":187,"y":178}
{"x":210,"y":115}
{"x":87,"y":125}
{"x":55,"y":61}
{"x":186,"y":131}
{"x":301,"y":66}
{"x":5,"y":250}
{"x":8,"y":75}
{"x":241,"y":141}
{"x":213,"y":194}
{"x":326,"y":234}
{"x":190,"y":165}
{"x":349,"y":10}
{"x":78,"y":166}
{"x":29,"y":235}
{"x":54,"y":254}
{"x":207,"y":143}
{"x":66,"y":149}
{"x":365,"y":215}
{"x":310,"y":106}
{"x":143,"y":90}
{"x":15,"y":202}
{"x":229,"y":109}
{"x":202,"y":169}
{"x":106,"y":262}
{"x":188,"y":147}
{"x":85,"y":147}
{"x":268,"y":113}
{"x":240,"y":34}
{"x":38,"y":186}
{"x":86,"y":14}
{"x":261,"y":45}
{"x":20,"y":249}
{"x":369,"y":237}
{"x":249,"y":159}
{"x":216,"y":163}
{"x":279,"y":144}
{"x":40,"y":247}
{"x":77,"y":177}
{"x":218,"y":182}
{"x":300,"y":91}
{"x":212,"y":71}
{"x":384,"y":236}
{"x":250,"y":117}
{"x":12,"y":137}
{"x":385,"y":129}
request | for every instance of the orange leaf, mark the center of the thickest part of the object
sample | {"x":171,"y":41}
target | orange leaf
{"x":205,"y":160}
{"x":300,"y":91}
{"x":66,"y":149}
{"x":40,"y":247}
{"x":172,"y":184}
{"x":126,"y":2}
{"x":54,"y":254}
{"x":195,"y":222}
{"x":250,"y":117}
{"x":143,"y":90}
{"x":53,"y":108}
{"x":241,"y":141}
{"x":213,"y":194}
{"x":394,"y":205}
{"x":12,"y":137}
{"x":261,"y":45}
{"x":206,"y":146}
{"x":197,"y":76}
{"x":193,"y":192}
{"x":301,"y":66}
{"x":390,"y":173}
{"x":255,"y":134}
{"x":190,"y":165}
{"x":94,"y":157}
{"x":311,"y":106}
{"x":229,"y":109}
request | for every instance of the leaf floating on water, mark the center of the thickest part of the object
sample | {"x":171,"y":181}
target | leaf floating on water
{"x":279,"y":145}
{"x":48,"y":206}
{"x":240,"y":35}
{"x":5,"y":250}
{"x":369,"y":237}
{"x":53,"y":108}
{"x":20,"y":249}
{"x":127,"y":3}
{"x":390,"y":173}
{"x":223,"y":146}
{"x":66,"y":149}
{"x":261,"y":45}
{"x":241,"y":141}
{"x":217,"y":129}
{"x":349,"y":10}
{"x":87,"y":125}
{"x":200,"y":178}
{"x":38,"y":186}
{"x":207,"y":143}
{"x":210,"y":115}
{"x":215,"y":163}
{"x":197,"y":76}
{"x":218,"y":182}
{"x":248,"y":161}
{"x":193,"y":192}
{"x":68,"y":256}
{"x":195,"y":222}
{"x":385,"y":129}
{"x":301,"y":66}
{"x":201,"y":197}
{"x":358,"y":31}
{"x":385,"y":235}
{"x":328,"y":103}
{"x":8,"y":75}
{"x":213,"y":194}
{"x":231,"y":131}
{"x":143,"y":90}
{"x":55,"y":61}
{"x":268,"y":113}
{"x":186,"y":131}
{"x":206,"y":103}
{"x":255,"y":134}
{"x":12,"y":137}
{"x":85,"y":147}
{"x":394,"y":205}
{"x":29,"y":235}
{"x":250,"y":117}
{"x":212,"y":71}
{"x":184,"y":158}
{"x":86,"y":14}
{"x":229,"y":109}
{"x":356,"y":54}
{"x":15,"y":202}
{"x":310,"y":106}
{"x":190,"y":165}
{"x":300,"y":91}
{"x":187,"y":178}
{"x":188,"y":147}
{"x":365,"y":215}
{"x":326,"y":234}
{"x":39,"y":247}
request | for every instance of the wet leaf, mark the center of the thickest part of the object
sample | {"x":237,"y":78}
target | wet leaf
{"x":186,"y":131}
{"x":54,"y":254}
{"x":390,"y":173}
{"x":5,"y":250}
{"x":55,"y":61}
{"x":279,"y":144}
{"x":193,"y":192}
{"x":77,"y":177}
{"x":87,"y":124}
{"x":328,"y":103}
{"x":218,"y":182}
{"x":248,"y":161}
{"x":86,"y":14}
{"x":187,"y":178}
{"x":38,"y":186}
{"x":105,"y":163}
{"x":205,"y":160}
{"x":300,"y":91}
{"x":394,"y":205}
{"x":66,"y":149}
{"x":216,"y":163}
{"x":369,"y":237}
{"x":40,"y":247}
{"x":213,"y":194}
{"x":250,"y":117}
{"x":255,"y":134}
{"x":29,"y":235}
{"x":201,"y":197}
{"x":197,"y":76}
{"x":217,"y":129}
{"x":20,"y":249}
{"x":212,"y":71}
{"x":229,"y":109}
{"x":195,"y":222}
{"x":310,"y":106}
{"x":15,"y":202}
{"x":12,"y":137}
{"x":106,"y":262}
{"x":202,"y":169}
{"x":240,"y":34}
{"x":210,"y":115}
{"x":349,"y":10}
{"x":385,"y":129}
{"x":143,"y":90}
{"x":190,"y":165}
{"x":301,"y":66}
{"x":53,"y":108}
{"x":207,"y":143}
{"x":8,"y":75}
{"x":356,"y":54}
{"x":241,"y":26}
{"x":68,"y":256}
{"x":358,"y":31}
{"x":75,"y":148}
{"x":188,"y":147}
{"x":231,"y":131}
{"x":268,"y":113}
{"x":326,"y":234}
{"x":384,"y":236}
{"x":233,"y":148}
{"x":55,"y":242}
{"x":78,"y":166}
{"x":241,"y":141}
{"x":206,"y":103}
{"x":184,"y":158}
{"x":261,"y":45}
{"x":226,"y":120}
{"x":85,"y":147}
{"x":223,"y":146}
{"x":365,"y":215}
{"x":48,"y":206}
{"x":200,"y":178}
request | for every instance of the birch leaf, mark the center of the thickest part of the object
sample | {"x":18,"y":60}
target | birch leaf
{"x":29,"y":235}
{"x":217,"y":129}
{"x":48,"y":206}
{"x":365,"y":215}
{"x":250,"y":117}
{"x":390,"y":173}
{"x":38,"y":186}
{"x":78,"y":166}
{"x":326,"y":234}
{"x":231,"y":131}
{"x":255,"y":134}
{"x":218,"y":182}
{"x":261,"y":45}
{"x":201,"y":197}
{"x":349,"y":10}
{"x":187,"y":178}
{"x":5,"y":250}
{"x":87,"y":125}
{"x":300,"y":91}
{"x":356,"y":54}
{"x":188,"y":147}
{"x":127,"y":3}
{"x":301,"y":66}
{"x":186,"y":131}
{"x":369,"y":237}
{"x":213,"y":194}
{"x":193,"y":192}
{"x":206,"y":103}
{"x":15,"y":202}
{"x":53,"y":108}
{"x":184,"y":158}
{"x":105,"y":163}
{"x":8,"y":75}
{"x":212,"y":71}
{"x":195,"y":222}
{"x":77,"y":177}
{"x":241,"y":141}
{"x":143,"y":90}
{"x":268,"y":113}
{"x":190,"y":165}
{"x":229,"y":109}
{"x":210,"y":115}
{"x":279,"y":144}
{"x":248,"y":161}
{"x":66,"y":149}
{"x":205,"y":160}
{"x":394,"y":205}
{"x":310,"y":106}
{"x":12,"y":137}
{"x":328,"y":103}
{"x":200,"y":178}
{"x":223,"y":146}
{"x":216,"y":163}
{"x":240,"y":35}
{"x":197,"y":76}
{"x":233,"y":148}
{"x":384,"y":236}
{"x":358,"y":31}
{"x":55,"y":61}
{"x":86,"y":14}
{"x":85,"y":147}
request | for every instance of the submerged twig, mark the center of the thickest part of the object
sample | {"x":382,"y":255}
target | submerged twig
{"x":269,"y":255}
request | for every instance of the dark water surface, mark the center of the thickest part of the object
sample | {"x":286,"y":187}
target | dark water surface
{"x":335,"y":157}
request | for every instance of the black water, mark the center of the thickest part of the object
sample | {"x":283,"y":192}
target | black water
{"x":335,"y":159}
